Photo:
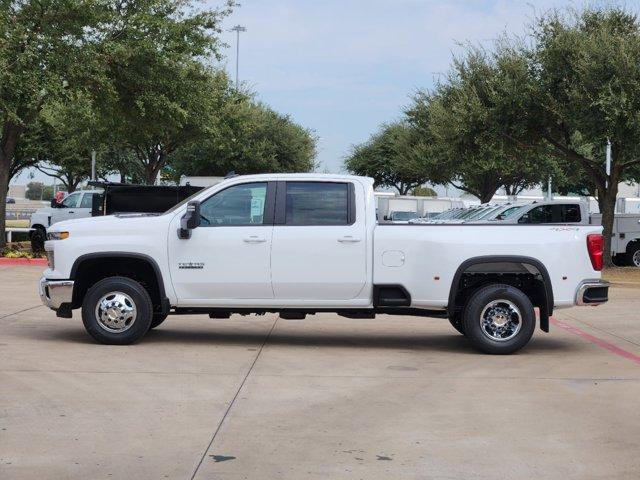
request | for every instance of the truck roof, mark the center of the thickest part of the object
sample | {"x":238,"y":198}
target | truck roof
{"x":303,"y":176}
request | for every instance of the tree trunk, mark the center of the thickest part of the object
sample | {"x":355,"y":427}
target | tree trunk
{"x":154,"y":163}
{"x":4,"y":187}
{"x":403,"y":188}
{"x":486,"y":196}
{"x":8,"y":142}
{"x":608,"y":208}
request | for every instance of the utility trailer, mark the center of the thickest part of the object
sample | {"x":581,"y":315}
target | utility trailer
{"x":625,"y":240}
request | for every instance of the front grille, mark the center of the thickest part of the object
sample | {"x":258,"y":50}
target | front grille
{"x":50,"y":259}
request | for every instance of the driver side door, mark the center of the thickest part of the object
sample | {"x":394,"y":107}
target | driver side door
{"x":228,"y":256}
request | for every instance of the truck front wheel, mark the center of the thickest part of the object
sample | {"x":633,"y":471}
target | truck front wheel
{"x":499,"y":319}
{"x":117,"y":311}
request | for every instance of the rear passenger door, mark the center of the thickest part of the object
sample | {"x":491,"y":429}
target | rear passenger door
{"x":84,"y":210}
{"x":319,"y":242}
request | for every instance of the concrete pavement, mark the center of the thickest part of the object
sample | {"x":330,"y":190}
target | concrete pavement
{"x":327,"y":397}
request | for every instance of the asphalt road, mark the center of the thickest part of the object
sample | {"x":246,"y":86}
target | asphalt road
{"x":324,"y":398}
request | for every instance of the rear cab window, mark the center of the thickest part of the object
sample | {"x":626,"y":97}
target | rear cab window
{"x":559,"y":213}
{"x":87,"y":200}
{"x":315,"y":203}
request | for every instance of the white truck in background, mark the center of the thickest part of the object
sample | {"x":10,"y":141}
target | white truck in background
{"x":75,"y":205}
{"x":298,"y":244}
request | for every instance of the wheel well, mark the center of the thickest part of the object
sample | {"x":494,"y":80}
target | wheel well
{"x":37,"y":226}
{"x":526,"y":275}
{"x":87,"y":272}
{"x":633,"y":244}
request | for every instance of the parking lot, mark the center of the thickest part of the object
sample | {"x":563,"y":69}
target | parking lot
{"x":326,"y":397}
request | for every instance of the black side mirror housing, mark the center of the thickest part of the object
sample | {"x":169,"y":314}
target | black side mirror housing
{"x":524,"y":218}
{"x":190,"y":220}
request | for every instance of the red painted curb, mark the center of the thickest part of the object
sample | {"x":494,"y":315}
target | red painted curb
{"x":597,"y":341}
{"x":42,"y":262}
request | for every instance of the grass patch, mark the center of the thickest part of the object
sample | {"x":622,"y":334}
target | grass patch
{"x":622,"y":275}
{"x":18,"y":223}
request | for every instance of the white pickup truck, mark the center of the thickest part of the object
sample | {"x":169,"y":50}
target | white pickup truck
{"x":298,"y":244}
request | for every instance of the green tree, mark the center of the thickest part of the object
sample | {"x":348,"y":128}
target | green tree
{"x":62,"y":140}
{"x":580,"y":88}
{"x":396,"y":156}
{"x":48,"y":47}
{"x":458,"y":116}
{"x":139,"y":59}
{"x":165,"y":96}
{"x":34,"y":191}
{"x":424,"y":192}
{"x":247,"y":137}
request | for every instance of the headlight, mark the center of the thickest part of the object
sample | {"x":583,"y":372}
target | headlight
{"x":50,"y":260}
{"x":57,"y":235}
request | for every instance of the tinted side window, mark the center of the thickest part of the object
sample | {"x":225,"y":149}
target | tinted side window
{"x":541,"y":214}
{"x":569,"y":213}
{"x":238,"y":205}
{"x":71,"y":201}
{"x":86,"y":200}
{"x":317,"y":203}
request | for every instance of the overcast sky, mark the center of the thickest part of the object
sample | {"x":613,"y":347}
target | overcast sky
{"x":343,"y":67}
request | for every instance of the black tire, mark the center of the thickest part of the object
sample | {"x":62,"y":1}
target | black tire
{"x":140,"y":302}
{"x":38,"y":237}
{"x":620,"y":260}
{"x":457,"y":323}
{"x":633,"y":255}
{"x":514,"y":334}
{"x":157,"y":319}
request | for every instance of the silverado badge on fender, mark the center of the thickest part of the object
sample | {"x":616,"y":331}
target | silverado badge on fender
{"x":191,"y":265}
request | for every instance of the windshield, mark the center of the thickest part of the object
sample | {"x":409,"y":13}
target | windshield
{"x":510,"y":212}
{"x":487,"y":213}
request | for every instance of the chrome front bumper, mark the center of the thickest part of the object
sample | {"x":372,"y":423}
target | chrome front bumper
{"x":54,"y":293}
{"x":592,"y":292}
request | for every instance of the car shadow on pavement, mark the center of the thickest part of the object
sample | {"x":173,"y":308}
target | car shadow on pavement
{"x":453,"y":342}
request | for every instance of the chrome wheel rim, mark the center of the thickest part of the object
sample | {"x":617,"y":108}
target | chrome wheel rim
{"x":636,"y":258}
{"x":500,"y":320}
{"x":116,"y":312}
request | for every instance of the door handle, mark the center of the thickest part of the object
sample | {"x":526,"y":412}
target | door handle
{"x":71,"y":211}
{"x":348,"y":239}
{"x":254,"y":239}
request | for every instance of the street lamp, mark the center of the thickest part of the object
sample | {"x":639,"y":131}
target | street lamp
{"x":238,"y":29}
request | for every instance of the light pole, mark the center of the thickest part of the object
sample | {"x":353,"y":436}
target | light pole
{"x":238,"y":29}
{"x":93,"y":165}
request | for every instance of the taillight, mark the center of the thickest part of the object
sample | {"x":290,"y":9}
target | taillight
{"x":595,"y":246}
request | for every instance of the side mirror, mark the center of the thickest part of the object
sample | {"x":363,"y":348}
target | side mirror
{"x":386,"y":217}
{"x":524,"y":218}
{"x":190,"y":220}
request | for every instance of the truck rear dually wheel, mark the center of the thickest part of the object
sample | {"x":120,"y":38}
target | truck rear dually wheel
{"x":499,"y":319}
{"x":117,"y":311}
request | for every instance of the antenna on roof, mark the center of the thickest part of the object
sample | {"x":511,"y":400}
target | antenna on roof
{"x":231,"y":174}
